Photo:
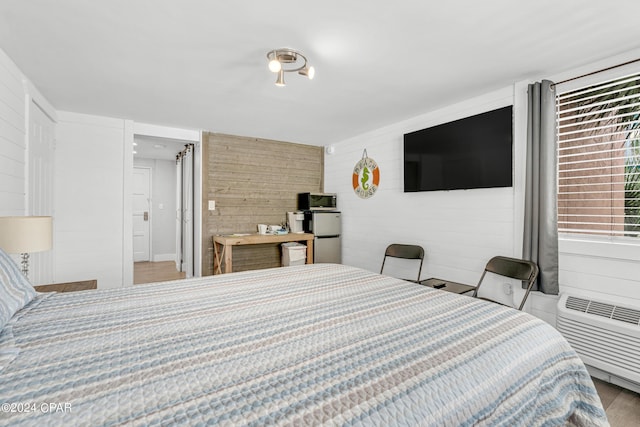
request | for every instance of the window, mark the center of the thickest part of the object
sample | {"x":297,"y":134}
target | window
{"x":599,"y":159}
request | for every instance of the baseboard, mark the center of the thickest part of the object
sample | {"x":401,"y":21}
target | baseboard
{"x":164,"y":257}
{"x":613,"y":379}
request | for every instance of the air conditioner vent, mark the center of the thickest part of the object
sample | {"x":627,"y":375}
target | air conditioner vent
{"x":610,"y":311}
{"x":604,"y":334}
{"x":577,"y":304}
{"x":628,"y":315}
{"x":600,"y":309}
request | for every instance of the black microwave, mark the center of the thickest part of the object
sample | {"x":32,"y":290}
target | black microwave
{"x":317,"y":201}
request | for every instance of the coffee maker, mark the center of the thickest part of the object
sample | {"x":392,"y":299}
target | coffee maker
{"x":295,"y":220}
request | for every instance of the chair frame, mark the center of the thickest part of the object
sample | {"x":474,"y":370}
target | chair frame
{"x":397,"y":250}
{"x":514,"y":268}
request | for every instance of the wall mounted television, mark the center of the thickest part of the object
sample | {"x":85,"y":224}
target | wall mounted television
{"x":473,"y":152}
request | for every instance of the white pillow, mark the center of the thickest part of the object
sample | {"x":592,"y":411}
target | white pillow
{"x":15,"y":289}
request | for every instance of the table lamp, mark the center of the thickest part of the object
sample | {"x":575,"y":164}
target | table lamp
{"x":25,"y":234}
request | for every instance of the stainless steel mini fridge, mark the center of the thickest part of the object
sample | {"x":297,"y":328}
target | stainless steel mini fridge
{"x":326,"y":226}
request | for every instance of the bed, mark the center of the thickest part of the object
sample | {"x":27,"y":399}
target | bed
{"x":319,"y":344}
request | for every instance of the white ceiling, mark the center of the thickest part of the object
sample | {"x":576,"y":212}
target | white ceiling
{"x":202,"y":64}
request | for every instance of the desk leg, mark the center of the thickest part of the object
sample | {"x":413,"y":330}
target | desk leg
{"x":228,"y":268}
{"x":217,"y":261}
{"x":310,"y":251}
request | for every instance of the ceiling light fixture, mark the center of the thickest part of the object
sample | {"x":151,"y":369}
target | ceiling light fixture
{"x":280,"y":80}
{"x":286,"y":60}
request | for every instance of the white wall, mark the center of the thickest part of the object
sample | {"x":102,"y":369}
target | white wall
{"x":460,"y":230}
{"x":93,"y":167}
{"x":163,"y":207}
{"x":12,"y":139}
{"x":91,"y":156}
{"x":26,"y":139}
{"x":596,"y":268}
{"x":88,"y":191}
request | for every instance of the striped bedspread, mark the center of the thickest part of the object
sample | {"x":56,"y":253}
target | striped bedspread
{"x":309,"y":345}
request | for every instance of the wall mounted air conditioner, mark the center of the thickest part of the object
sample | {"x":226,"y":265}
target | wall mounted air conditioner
{"x":606,"y":335}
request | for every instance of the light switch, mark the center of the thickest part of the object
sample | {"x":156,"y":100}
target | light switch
{"x":160,"y":205}
{"x":212,"y":205}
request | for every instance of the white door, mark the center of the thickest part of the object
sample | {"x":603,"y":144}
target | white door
{"x":40,"y":197}
{"x":141,"y":214}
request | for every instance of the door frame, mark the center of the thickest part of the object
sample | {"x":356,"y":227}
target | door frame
{"x":43,"y":264}
{"x":186,"y":266}
{"x":143,"y":129}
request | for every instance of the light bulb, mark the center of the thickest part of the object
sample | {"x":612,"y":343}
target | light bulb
{"x":308,"y":72}
{"x":275,"y":65}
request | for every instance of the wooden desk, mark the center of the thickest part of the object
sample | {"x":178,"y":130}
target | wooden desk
{"x":457,"y":288}
{"x":223,"y":246}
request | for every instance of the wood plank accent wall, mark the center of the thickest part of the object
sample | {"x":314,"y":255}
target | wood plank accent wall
{"x":253,"y":181}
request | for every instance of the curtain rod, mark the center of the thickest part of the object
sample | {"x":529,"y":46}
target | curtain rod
{"x":598,"y":71}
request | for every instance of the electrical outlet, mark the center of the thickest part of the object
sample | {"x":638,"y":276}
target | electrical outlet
{"x":507,"y":289}
{"x":212,"y":205}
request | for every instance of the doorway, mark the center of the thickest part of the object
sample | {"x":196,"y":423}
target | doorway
{"x":161,"y":188}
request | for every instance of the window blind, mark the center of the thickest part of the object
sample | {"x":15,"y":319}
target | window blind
{"x":598,"y":133}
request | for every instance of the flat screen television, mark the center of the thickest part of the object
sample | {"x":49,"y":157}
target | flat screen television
{"x":473,"y":152}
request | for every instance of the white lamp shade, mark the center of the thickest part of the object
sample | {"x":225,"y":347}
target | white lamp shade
{"x":25,"y":234}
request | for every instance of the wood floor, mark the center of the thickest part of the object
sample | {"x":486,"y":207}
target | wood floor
{"x":148,"y":272}
{"x":622,"y":405}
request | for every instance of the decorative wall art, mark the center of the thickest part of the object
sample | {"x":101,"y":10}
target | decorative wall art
{"x":366,"y":177}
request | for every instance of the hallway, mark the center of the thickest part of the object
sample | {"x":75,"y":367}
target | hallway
{"x":148,"y":272}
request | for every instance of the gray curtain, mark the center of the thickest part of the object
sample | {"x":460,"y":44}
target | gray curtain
{"x":541,"y":209}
